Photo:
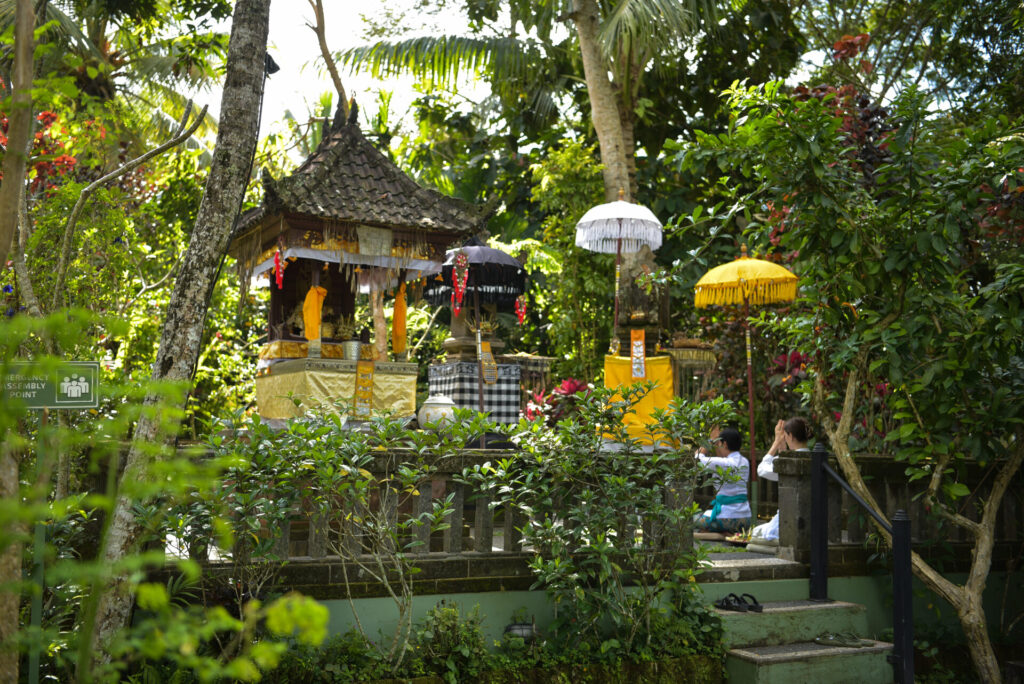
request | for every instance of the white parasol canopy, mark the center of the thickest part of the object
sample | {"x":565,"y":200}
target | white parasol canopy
{"x":618,"y":226}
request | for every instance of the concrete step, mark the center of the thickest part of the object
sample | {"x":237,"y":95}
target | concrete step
{"x":784,"y":622}
{"x":809,"y":663}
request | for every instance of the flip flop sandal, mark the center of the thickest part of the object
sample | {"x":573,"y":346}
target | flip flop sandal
{"x":752,"y":604}
{"x":732,"y":602}
{"x":854,"y":641}
{"x":843,"y":640}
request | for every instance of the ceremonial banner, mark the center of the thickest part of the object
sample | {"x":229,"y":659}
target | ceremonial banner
{"x":487,"y":364}
{"x":637,"y":354}
{"x":364,"y":388}
{"x":618,"y":373}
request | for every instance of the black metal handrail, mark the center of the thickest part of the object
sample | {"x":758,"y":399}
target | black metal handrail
{"x":902,"y":657}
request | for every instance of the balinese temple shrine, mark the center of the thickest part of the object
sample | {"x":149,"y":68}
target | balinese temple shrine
{"x":347,"y":221}
{"x":641,"y":315}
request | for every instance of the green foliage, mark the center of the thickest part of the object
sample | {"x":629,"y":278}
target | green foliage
{"x":352,"y":479}
{"x":578,"y":309}
{"x":450,"y":646}
{"x":450,"y":643}
{"x":915,"y":267}
{"x":904,"y":227}
{"x":607,"y":520}
{"x":342,"y":658}
{"x":170,"y":631}
{"x":965,"y":52}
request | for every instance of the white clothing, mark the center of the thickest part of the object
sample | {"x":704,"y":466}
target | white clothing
{"x":767,"y":531}
{"x":766,"y":469}
{"x":728,"y":467}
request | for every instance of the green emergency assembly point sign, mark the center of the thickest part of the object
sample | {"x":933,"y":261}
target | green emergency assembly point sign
{"x":74,"y":385}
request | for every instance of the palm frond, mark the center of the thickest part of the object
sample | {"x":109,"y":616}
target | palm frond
{"x":161,"y":108}
{"x":647,"y":26}
{"x":173,"y":60}
{"x":65,"y":24}
{"x":442,"y":59}
{"x":172,"y":103}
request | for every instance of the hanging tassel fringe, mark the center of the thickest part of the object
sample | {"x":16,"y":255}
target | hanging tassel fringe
{"x":756,"y":292}
{"x":605,"y":237}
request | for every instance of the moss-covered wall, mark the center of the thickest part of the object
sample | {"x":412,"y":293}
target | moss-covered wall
{"x":930,"y":612}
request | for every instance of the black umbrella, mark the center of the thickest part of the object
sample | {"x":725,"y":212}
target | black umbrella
{"x":494,"y":277}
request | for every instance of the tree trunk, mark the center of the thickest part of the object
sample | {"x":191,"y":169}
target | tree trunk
{"x":19,"y":125}
{"x":629,"y":145}
{"x":186,"y":311}
{"x":604,"y":107}
{"x":965,"y":599}
{"x":10,"y":574}
{"x":972,"y":619}
{"x":19,"y":132}
{"x":380,"y":324}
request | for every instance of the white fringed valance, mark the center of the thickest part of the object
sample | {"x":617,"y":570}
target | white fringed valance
{"x":605,"y":238}
{"x":618,"y":226}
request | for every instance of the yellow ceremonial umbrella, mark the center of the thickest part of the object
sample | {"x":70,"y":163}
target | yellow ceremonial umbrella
{"x":746,"y":281}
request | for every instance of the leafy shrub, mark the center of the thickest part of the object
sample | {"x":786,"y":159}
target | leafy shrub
{"x":450,"y":644}
{"x":607,"y":519}
{"x":347,"y":657}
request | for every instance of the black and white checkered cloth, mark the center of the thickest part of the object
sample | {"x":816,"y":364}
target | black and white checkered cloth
{"x":459,"y":380}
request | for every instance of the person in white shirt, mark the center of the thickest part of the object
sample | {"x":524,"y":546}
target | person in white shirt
{"x":790,"y":435}
{"x":730,"y":509}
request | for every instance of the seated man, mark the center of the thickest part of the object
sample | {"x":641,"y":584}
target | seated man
{"x":789,"y":435}
{"x":730,"y":509}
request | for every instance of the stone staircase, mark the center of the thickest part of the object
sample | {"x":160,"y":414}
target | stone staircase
{"x":777,"y":645}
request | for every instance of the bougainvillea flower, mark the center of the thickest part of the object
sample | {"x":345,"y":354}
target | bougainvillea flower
{"x":570,"y":386}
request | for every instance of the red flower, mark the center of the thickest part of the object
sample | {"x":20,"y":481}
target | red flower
{"x":46,"y":119}
{"x":570,"y":386}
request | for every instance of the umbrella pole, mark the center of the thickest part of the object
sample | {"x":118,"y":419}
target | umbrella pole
{"x":750,"y":411}
{"x":618,"y":268}
{"x":479,"y":361}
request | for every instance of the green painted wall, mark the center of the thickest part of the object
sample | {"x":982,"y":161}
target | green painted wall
{"x":496,"y":608}
{"x":380,"y":614}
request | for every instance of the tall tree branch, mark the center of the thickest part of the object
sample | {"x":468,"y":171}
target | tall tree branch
{"x":931,"y":494}
{"x":604,"y":105}
{"x":183,"y":132}
{"x":321,"y":36}
{"x":108,"y":608}
{"x":19,"y":125}
{"x":26,"y":291}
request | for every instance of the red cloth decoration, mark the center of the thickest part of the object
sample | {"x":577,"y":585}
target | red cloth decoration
{"x":460,"y":277}
{"x":521,"y":308}
{"x":278,"y":270}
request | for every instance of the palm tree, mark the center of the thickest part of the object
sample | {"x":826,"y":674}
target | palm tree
{"x":123,"y":53}
{"x":618,"y":41}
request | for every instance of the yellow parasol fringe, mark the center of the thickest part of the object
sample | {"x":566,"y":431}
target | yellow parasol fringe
{"x":756,"y":292}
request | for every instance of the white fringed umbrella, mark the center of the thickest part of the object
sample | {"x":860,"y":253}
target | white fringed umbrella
{"x":615,"y":227}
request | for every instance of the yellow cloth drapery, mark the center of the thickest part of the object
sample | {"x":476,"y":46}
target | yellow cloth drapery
{"x":398,"y":339}
{"x":291,"y":349}
{"x":618,"y":372}
{"x":311,"y":308}
{"x":317,"y":389}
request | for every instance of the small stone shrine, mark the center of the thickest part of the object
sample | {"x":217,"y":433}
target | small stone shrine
{"x":346,"y":221}
{"x":477,"y":282}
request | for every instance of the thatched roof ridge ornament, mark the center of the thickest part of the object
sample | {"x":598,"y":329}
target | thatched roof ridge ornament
{"x":348,"y":181}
